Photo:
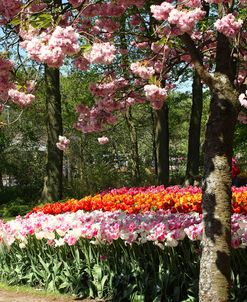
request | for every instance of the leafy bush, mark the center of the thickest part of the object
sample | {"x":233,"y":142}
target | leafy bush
{"x":14,"y":208}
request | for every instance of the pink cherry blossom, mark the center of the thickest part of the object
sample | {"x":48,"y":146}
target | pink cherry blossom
{"x":155,"y":95}
{"x":143,"y":71}
{"x":51,"y":48}
{"x":185,"y":20}
{"x":81,"y":63}
{"x":101,"y":53}
{"x":103,"y":140}
{"x":161,"y":12}
{"x":228,"y":25}
{"x":62,"y":143}
{"x":243,"y":99}
{"x":20,"y":98}
{"x":9,"y":9}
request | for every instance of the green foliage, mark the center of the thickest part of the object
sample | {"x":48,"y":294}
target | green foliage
{"x":21,"y":154}
{"x":116,"y":272}
{"x":14,"y":208}
{"x":43,"y":20}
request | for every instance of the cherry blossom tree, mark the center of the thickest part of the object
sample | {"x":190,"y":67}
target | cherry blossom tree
{"x":164,"y":39}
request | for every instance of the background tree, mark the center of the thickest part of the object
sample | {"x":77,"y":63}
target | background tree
{"x":193,"y":157}
{"x":53,"y":181}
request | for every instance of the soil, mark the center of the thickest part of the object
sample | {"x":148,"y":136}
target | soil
{"x":15,"y":296}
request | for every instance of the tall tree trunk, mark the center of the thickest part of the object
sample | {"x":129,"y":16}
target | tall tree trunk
{"x":84,"y":175}
{"x":154,"y":142}
{"x":214,"y":283}
{"x":215,"y":260}
{"x":193,"y":157}
{"x":216,"y":242}
{"x":162,"y":144}
{"x":1,"y":180}
{"x":53,"y":186}
{"x":135,"y":160}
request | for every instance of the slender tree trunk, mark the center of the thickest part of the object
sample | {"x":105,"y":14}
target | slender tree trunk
{"x":193,"y":157}
{"x":154,"y":142}
{"x":1,"y":180}
{"x":162,"y":144}
{"x":135,"y":160}
{"x":83,"y":164}
{"x":53,"y":186}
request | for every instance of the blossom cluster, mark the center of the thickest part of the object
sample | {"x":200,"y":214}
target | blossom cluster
{"x":9,"y":9}
{"x":81,"y":63}
{"x":184,"y":20}
{"x":228,"y":25}
{"x":156,"y":95}
{"x":62,"y":143}
{"x":101,"y":53}
{"x":144,"y":199}
{"x":243,"y":99}
{"x":103,"y":140}
{"x":163,"y":228}
{"x":114,"y":9}
{"x":20,"y":98}
{"x":143,"y":71}
{"x":9,"y":90}
{"x":108,"y":88}
{"x":105,"y":25}
{"x":5,"y":84}
{"x":102,"y":113}
{"x":93,"y":120}
{"x":51,"y":48}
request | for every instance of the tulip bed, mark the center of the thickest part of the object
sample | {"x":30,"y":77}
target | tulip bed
{"x":143,"y":199}
{"x":128,"y":244}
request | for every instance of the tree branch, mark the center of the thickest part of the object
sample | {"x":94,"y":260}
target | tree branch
{"x":196,"y":57}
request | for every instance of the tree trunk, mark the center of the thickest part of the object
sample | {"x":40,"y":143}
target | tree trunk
{"x":84,"y":175}
{"x":52,"y":190}
{"x":135,"y":160}
{"x":193,"y":157}
{"x":215,"y":270}
{"x":215,"y":260}
{"x":162,"y":144}
{"x":1,"y":180}
{"x":154,"y":142}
